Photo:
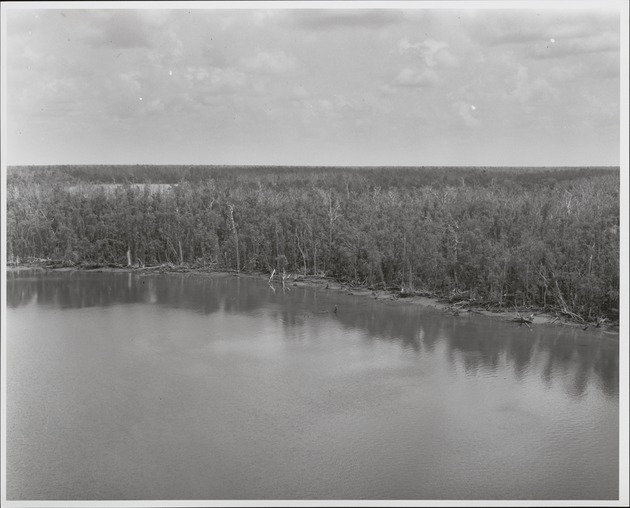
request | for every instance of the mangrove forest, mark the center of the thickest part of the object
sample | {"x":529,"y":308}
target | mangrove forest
{"x":544,"y":238}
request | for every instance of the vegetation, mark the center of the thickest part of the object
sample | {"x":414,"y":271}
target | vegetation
{"x":526,"y":238}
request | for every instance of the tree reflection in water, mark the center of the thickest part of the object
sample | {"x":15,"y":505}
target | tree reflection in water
{"x":477,"y":343}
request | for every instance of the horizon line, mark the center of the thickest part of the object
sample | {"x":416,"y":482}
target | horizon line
{"x":313,"y":166}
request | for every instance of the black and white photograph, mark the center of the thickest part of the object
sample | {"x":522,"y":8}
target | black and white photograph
{"x":314,"y":253}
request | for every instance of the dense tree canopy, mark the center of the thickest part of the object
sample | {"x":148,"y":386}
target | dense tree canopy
{"x":524,"y":237}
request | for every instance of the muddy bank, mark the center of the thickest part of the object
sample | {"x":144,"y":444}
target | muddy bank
{"x":458,"y":309}
{"x":520,"y":317}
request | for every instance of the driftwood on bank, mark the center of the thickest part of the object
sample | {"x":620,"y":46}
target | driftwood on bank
{"x":524,"y":320}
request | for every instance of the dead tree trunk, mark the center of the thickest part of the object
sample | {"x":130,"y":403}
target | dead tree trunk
{"x":235,"y":232}
{"x":297,"y":237}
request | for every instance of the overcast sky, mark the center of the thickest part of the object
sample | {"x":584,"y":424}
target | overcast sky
{"x":313,"y":87}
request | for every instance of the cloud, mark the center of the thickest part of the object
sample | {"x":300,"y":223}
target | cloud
{"x":432,"y":49}
{"x":404,"y":45}
{"x":214,"y":79}
{"x":435,"y":53}
{"x":152,"y":107}
{"x":600,"y":43}
{"x":60,"y":97}
{"x":466,"y":114}
{"x":526,"y":89}
{"x":604,"y":67}
{"x":517,"y":27}
{"x":361,"y":109}
{"x":349,"y":18}
{"x":168,"y":50}
{"x":272,"y":63}
{"x":130,"y":82}
{"x":226,"y":79}
{"x":300,"y":92}
{"x":22,"y":21}
{"x":415,"y":78}
{"x":120,"y":29}
{"x":510,"y":32}
{"x":305,"y":71}
{"x":37,"y":59}
{"x":193,"y":74}
{"x":262,"y":18}
{"x":228,"y":20}
{"x":216,"y":56}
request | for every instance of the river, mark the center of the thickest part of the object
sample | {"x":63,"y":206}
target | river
{"x":176,"y":386}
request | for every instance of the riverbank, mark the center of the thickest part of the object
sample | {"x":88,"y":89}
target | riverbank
{"x":457,"y":305}
{"x":457,"y":308}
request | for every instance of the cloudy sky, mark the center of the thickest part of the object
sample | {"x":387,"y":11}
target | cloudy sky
{"x":313,"y":86}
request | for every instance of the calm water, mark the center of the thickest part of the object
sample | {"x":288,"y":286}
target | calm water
{"x":122,"y":386}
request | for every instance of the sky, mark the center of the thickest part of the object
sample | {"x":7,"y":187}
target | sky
{"x":292,"y":86}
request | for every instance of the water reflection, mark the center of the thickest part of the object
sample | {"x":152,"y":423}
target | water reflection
{"x":76,"y":290}
{"x":475,"y":344}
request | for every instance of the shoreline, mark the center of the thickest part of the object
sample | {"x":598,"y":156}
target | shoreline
{"x":530,"y":316}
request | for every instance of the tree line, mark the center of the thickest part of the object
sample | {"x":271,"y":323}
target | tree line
{"x":511,"y":237}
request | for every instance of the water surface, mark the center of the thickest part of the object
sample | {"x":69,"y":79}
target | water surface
{"x":124,"y":386}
